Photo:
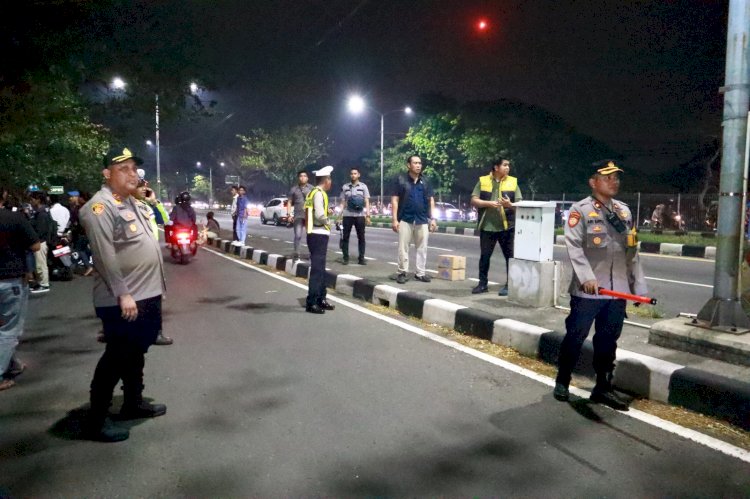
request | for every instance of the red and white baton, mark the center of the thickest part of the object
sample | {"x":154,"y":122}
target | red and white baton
{"x":627,"y":296}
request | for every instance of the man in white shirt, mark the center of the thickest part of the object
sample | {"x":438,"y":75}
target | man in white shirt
{"x":59,"y":214}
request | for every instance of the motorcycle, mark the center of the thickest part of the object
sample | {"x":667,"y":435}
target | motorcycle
{"x":183,"y":243}
{"x":59,"y":259}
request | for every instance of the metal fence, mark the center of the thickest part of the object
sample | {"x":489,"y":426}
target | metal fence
{"x":666,"y":211}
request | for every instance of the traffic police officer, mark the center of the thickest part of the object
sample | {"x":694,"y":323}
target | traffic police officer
{"x":318,"y":232}
{"x":602,"y":246}
{"x":127,"y":293}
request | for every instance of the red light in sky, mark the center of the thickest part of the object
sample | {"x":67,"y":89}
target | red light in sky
{"x":482,"y":25}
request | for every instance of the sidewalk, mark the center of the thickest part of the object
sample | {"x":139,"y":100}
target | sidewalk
{"x":698,"y":383}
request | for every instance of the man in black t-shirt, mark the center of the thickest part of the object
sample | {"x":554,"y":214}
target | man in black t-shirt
{"x":16,"y":237}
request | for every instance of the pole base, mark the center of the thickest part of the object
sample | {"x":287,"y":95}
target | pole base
{"x":725,"y":316}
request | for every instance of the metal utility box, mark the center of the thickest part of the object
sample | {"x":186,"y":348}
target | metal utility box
{"x":535,"y":230}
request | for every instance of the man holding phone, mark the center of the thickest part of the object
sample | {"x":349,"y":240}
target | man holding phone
{"x":493,"y":196}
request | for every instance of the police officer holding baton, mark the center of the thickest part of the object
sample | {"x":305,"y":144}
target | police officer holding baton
{"x":127,"y":294}
{"x":601,"y":241}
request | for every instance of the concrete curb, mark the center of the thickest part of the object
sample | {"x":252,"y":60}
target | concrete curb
{"x":673,"y":249}
{"x":638,"y":374}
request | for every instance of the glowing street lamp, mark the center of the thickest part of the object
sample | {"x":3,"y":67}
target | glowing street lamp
{"x":357,"y":105}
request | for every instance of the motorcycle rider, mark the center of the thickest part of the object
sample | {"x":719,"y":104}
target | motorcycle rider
{"x":182,"y":214}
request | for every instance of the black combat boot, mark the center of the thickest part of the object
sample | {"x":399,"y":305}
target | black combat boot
{"x":605,"y":395}
{"x":134,"y":407}
{"x":142,"y":410}
{"x":98,"y":426}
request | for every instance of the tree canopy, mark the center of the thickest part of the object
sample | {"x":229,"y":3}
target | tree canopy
{"x":281,"y":153}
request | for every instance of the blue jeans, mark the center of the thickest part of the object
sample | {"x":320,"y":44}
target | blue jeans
{"x":241,"y":229}
{"x":14,"y":299}
{"x":299,"y":231}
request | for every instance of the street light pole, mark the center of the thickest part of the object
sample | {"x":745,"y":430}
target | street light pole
{"x":158,"y":163}
{"x":382,"y":120}
{"x":210,"y":187}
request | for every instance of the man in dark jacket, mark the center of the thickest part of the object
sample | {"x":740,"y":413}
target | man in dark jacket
{"x":42,"y":223}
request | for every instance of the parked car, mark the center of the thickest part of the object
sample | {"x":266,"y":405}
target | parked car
{"x":447,"y":212}
{"x":276,"y":211}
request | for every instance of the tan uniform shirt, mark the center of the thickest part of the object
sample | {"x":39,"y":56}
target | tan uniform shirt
{"x":126,"y":255}
{"x":598,"y":251}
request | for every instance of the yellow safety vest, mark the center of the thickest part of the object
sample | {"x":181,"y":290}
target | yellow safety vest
{"x":507,"y":187}
{"x":310,"y":208}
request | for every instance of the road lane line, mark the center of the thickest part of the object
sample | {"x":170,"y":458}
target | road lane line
{"x":681,"y":282}
{"x":441,"y":249}
{"x":668,"y":426}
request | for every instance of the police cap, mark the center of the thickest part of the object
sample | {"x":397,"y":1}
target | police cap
{"x":118,"y":154}
{"x":605,"y":167}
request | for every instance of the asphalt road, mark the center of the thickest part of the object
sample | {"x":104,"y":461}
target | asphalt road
{"x":680,"y":284}
{"x":265,"y":400}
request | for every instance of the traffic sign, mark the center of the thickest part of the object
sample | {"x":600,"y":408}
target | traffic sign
{"x":232,"y":179}
{"x":56,"y":189}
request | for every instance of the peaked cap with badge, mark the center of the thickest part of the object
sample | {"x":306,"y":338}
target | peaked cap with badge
{"x":118,"y":154}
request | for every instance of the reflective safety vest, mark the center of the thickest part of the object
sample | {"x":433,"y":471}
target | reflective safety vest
{"x":507,"y":189}
{"x":310,"y":208}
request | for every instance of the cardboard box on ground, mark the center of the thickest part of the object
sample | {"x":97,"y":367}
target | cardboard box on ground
{"x":451,"y":267}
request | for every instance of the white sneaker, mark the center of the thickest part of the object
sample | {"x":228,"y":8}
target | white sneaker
{"x":39,"y":289}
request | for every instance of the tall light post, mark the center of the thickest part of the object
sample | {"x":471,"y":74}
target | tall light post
{"x":120,"y":84}
{"x":357,"y":105}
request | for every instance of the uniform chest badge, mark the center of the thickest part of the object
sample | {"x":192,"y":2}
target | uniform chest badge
{"x":133,"y":228}
{"x":597,"y":228}
{"x":597,"y":205}
{"x":117,"y":198}
{"x":573,"y":219}
{"x":97,"y":208}
{"x":593,"y":214}
{"x":597,"y":240}
{"x":129,"y":216}
{"x":624,"y":214}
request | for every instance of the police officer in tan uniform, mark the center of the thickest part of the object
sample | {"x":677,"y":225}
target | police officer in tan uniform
{"x":602,"y":246}
{"x":127,"y":293}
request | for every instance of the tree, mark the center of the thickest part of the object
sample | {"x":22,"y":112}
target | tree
{"x":201,"y":186}
{"x":49,"y":139}
{"x":283,"y":152}
{"x":436,"y":140}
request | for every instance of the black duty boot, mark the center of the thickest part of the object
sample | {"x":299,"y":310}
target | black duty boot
{"x":141,"y":409}
{"x":561,"y":392}
{"x":102,"y":429}
{"x":326,"y":306}
{"x":605,"y":395}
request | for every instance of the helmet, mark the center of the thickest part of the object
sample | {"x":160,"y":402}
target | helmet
{"x":184,"y":197}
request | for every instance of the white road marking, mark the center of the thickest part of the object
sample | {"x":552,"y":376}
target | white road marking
{"x":289,"y":242}
{"x":695,"y":436}
{"x":440,"y":249}
{"x":681,"y":282}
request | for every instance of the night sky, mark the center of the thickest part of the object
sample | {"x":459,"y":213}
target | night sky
{"x":642,"y":76}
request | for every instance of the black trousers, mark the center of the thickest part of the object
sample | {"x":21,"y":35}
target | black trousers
{"x":359,"y":225}
{"x":316,"y":285}
{"x":607,"y":316}
{"x":487,"y":242}
{"x":234,"y":228}
{"x":124,"y":356}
